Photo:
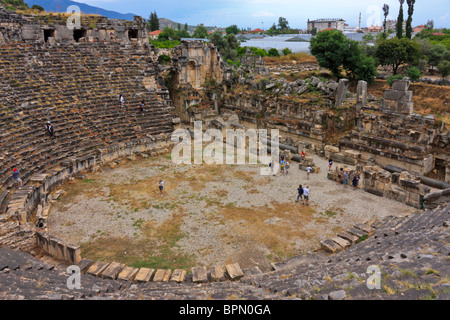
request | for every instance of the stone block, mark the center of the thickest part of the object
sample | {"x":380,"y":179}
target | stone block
{"x":352,"y":154}
{"x":341,"y":92}
{"x":144,"y":275}
{"x":128,"y":274}
{"x":97,"y":268}
{"x":112,"y":271}
{"x":162,"y":275}
{"x":85,"y":264}
{"x":357,"y":232}
{"x":178,"y":275}
{"x":234,"y":271}
{"x":217,"y":274}
{"x":361,"y":93}
{"x":348,"y":236}
{"x":401,"y":85}
{"x":330,"y":246}
{"x":199,"y":275}
{"x":413,"y":199}
{"x":396,"y":95}
{"x":410,"y":184}
{"x":73,"y":254}
{"x":365,"y":228}
{"x":342,"y":242}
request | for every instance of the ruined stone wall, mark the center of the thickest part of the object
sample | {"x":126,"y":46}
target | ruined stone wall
{"x":197,"y":62}
{"x":392,"y":134}
{"x":53,"y":28}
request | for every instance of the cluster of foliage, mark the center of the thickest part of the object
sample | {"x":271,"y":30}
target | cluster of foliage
{"x":227,"y":45}
{"x":334,"y":51}
{"x":169,"y":34}
{"x":14,"y":4}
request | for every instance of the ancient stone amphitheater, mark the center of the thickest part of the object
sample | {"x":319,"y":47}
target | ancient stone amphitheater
{"x":73,"y":78}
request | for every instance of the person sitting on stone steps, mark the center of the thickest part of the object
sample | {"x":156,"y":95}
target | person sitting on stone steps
{"x":141,"y":106}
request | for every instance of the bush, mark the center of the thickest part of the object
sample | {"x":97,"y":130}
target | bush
{"x":273,"y":53}
{"x":391,"y":79}
{"x":37,"y":7}
{"x":286,"y":51}
{"x":414,"y":74}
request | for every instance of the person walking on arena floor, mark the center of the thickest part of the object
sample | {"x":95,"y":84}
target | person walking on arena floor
{"x":306,"y":195}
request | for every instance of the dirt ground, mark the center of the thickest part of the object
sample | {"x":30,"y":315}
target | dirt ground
{"x":208,"y":215}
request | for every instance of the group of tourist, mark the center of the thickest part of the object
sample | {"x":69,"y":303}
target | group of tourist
{"x":303,"y":194}
{"x":343,"y":178}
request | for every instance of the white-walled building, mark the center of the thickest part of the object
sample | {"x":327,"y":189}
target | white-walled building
{"x":323,"y":24}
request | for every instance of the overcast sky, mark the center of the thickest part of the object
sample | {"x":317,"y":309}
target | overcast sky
{"x":263,"y":13}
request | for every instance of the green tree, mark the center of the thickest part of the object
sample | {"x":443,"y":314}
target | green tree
{"x":283,"y":24}
{"x":153,"y":23}
{"x":395,"y":52}
{"x":444,"y":68}
{"x":233,"y":29}
{"x":409,"y":29}
{"x":385,"y":13}
{"x":227,"y":46}
{"x":327,"y":48}
{"x":313,"y":31}
{"x":200,"y":32}
{"x":399,"y":25}
{"x":186,"y":27}
{"x":169,"y":34}
{"x":437,"y":53}
{"x":335,"y":52}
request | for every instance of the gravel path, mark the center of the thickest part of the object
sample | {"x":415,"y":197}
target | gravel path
{"x":220,"y":206}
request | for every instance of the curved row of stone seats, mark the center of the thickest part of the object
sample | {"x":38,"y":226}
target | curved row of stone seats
{"x":76,"y":87}
{"x":409,"y":255}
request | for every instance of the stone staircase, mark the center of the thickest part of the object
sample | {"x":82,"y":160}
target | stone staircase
{"x":411,"y":255}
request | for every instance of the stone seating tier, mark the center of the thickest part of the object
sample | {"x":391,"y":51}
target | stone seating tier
{"x":76,"y":87}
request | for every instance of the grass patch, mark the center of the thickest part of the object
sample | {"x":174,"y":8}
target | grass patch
{"x":155,"y":248}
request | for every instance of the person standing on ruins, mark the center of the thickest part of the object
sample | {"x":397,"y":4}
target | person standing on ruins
{"x":287,"y":166}
{"x":141,"y":106}
{"x":330,"y":164}
{"x":355,"y":180}
{"x":345,"y":180}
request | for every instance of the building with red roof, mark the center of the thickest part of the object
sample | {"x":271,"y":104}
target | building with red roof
{"x":154,"y":34}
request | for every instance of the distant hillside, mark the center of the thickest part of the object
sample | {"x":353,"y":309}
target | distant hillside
{"x":62,"y":5}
